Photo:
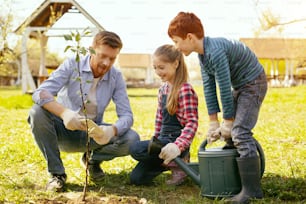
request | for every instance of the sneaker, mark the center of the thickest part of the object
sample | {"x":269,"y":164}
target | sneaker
{"x":94,"y":170}
{"x":56,"y":183}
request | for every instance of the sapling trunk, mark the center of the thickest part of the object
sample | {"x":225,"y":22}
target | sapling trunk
{"x":78,"y":49}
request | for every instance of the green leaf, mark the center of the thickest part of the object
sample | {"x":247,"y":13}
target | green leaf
{"x":83,"y":51}
{"x":68,"y":37}
{"x":67,"y":48}
{"x":87,"y":32}
{"x":92,"y":51}
{"x":77,"y":57}
{"x":77,"y":37}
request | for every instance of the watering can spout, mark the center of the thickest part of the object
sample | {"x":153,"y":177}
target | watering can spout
{"x":155,"y":146}
{"x":192,"y":173}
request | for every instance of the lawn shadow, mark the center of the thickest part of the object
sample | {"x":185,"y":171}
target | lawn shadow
{"x":274,"y":186}
{"x":284,"y":188}
{"x":119,"y":185}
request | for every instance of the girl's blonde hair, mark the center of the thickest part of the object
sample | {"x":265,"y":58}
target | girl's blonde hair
{"x":169,"y":54}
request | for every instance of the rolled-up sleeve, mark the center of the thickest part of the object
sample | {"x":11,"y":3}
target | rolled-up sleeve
{"x":48,"y":89}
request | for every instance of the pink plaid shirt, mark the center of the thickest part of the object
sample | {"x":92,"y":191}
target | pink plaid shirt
{"x":187,"y":114}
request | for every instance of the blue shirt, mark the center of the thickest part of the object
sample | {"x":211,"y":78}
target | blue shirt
{"x":64,"y":83}
{"x":229,"y":63}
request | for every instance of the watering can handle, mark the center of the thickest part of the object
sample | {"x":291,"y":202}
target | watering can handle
{"x":203,"y":145}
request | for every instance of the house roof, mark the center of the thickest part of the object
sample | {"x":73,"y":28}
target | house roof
{"x":50,"y":11}
{"x":277,"y":48}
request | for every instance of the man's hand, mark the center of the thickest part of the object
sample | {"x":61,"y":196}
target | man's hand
{"x":169,"y":152}
{"x":72,"y":120}
{"x":226,"y":128}
{"x":102,"y":134}
{"x":213,"y":133}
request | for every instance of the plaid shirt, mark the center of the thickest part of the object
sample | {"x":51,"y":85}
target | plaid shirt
{"x":187,"y":114}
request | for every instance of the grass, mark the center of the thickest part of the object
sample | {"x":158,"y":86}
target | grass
{"x":281,"y":131}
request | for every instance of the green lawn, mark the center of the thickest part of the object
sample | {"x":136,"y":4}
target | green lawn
{"x":281,"y":131}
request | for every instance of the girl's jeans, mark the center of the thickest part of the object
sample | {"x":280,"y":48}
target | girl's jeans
{"x":149,"y":166}
{"x":248,"y":100}
{"x":52,"y":137}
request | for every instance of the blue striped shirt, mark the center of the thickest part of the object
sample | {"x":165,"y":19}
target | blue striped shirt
{"x":231,"y":64}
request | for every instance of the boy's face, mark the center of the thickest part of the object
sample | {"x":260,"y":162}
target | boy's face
{"x":183,"y":45}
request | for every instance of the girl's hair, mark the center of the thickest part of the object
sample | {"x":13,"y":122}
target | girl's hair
{"x":107,"y":38}
{"x":185,"y":23}
{"x":169,"y":54}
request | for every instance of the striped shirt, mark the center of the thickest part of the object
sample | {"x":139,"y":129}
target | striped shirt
{"x":187,"y":114}
{"x":230,"y":63}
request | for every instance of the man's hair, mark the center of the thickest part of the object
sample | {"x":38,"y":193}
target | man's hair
{"x":185,"y":23}
{"x":107,"y":38}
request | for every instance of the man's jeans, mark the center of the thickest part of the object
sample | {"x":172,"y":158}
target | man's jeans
{"x":52,"y":137}
{"x":248,"y":100}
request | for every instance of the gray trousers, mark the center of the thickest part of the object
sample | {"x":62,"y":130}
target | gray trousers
{"x":248,"y":100}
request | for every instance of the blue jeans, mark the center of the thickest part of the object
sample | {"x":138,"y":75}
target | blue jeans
{"x":248,"y":100}
{"x":149,"y":166}
{"x":52,"y":137}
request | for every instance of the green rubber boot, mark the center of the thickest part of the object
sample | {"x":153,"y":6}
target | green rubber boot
{"x":249,"y":169}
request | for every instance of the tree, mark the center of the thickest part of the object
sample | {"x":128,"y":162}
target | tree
{"x":272,"y":21}
{"x":8,"y":66}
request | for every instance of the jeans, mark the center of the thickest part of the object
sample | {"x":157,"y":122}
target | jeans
{"x":149,"y":166}
{"x":247,"y":100}
{"x":52,"y":137}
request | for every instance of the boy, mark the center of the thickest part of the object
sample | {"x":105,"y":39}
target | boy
{"x":242,"y":84}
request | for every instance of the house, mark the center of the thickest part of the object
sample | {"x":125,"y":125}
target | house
{"x":280,"y":57}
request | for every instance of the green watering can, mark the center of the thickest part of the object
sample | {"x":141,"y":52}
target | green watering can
{"x":216,"y":172}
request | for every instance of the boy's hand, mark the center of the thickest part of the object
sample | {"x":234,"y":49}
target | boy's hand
{"x":213,"y":133}
{"x":226,"y":128}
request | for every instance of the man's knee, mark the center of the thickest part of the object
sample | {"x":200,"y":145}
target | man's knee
{"x":133,"y":136}
{"x":36,"y":112}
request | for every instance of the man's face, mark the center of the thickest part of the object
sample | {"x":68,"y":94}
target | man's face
{"x":183,"y":45}
{"x":102,"y":61}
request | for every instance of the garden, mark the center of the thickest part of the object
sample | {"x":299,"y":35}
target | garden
{"x":281,"y":131}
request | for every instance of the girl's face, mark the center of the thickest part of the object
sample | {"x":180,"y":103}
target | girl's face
{"x":165,"y":70}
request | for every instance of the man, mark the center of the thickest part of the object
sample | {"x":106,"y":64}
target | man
{"x":59,"y":125}
{"x":242,"y":84}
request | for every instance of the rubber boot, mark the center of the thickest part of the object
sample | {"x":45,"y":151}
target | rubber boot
{"x":178,"y":176}
{"x":249,"y":169}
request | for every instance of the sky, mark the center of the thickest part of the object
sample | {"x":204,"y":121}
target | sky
{"x":143,"y":24}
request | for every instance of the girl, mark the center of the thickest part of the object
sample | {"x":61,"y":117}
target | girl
{"x":176,"y":120}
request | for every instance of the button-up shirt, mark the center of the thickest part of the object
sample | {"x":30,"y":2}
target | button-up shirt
{"x":64,"y":83}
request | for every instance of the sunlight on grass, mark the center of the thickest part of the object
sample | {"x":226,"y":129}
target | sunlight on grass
{"x":281,"y":131}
